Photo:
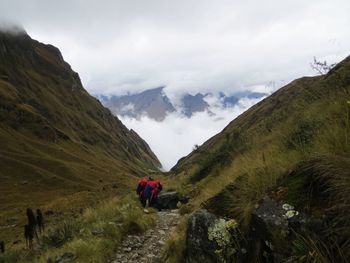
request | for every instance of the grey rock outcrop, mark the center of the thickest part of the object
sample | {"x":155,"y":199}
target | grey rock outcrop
{"x":199,"y":247}
{"x":272,"y":229}
{"x":168,"y":200}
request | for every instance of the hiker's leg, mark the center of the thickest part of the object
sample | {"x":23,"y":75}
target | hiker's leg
{"x":143,"y":201}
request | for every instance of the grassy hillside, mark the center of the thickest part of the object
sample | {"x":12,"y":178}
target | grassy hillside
{"x":91,"y":237}
{"x":297,"y":139}
{"x":60,"y":148}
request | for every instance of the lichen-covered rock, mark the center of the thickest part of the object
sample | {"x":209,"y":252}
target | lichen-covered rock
{"x":272,"y":228}
{"x":228,"y":239}
{"x":199,"y":247}
{"x":212,"y":239}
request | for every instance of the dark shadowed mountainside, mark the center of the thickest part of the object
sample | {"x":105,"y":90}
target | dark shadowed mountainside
{"x":57,"y":140}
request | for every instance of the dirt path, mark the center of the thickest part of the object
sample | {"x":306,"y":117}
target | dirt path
{"x":147,"y":248}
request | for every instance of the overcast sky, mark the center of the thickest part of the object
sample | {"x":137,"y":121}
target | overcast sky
{"x":120,"y":46}
{"x":129,"y":45}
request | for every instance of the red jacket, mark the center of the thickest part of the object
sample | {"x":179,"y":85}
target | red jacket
{"x":141,"y":186}
{"x":156,"y":188}
{"x":153,"y":184}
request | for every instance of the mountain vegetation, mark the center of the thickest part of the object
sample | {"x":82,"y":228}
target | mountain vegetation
{"x":61,"y":150}
{"x":290,"y":151}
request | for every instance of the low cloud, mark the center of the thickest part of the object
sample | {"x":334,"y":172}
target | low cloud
{"x":11,"y":28}
{"x":176,"y":136}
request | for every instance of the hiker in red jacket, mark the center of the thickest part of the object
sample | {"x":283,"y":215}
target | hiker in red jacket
{"x":141,"y":188}
{"x":150,"y":194}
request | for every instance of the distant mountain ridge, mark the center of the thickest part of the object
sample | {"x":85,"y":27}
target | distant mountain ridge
{"x":152,"y":102}
{"x":192,"y":104}
{"x":155,"y":104}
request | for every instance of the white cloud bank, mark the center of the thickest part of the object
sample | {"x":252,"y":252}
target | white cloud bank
{"x":175,"y":137}
{"x":131,"y":45}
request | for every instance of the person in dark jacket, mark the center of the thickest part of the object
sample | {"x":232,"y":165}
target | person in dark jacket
{"x":141,"y":188}
{"x":153,"y":188}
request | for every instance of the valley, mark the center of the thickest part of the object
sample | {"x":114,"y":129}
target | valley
{"x":272,"y":186}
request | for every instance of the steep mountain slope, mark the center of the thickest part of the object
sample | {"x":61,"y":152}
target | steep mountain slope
{"x":279,"y":114}
{"x":57,"y":140}
{"x":293,"y":147}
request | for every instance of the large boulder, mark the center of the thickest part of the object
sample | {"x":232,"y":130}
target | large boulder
{"x":273,"y":228}
{"x":199,"y":247}
{"x":213,"y":239}
{"x":168,"y":200}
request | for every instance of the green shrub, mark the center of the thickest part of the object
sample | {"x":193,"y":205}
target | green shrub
{"x":61,"y":234}
{"x":10,"y":256}
{"x":303,"y":135}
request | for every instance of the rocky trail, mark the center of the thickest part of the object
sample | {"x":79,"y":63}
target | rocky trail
{"x":148,"y":247}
